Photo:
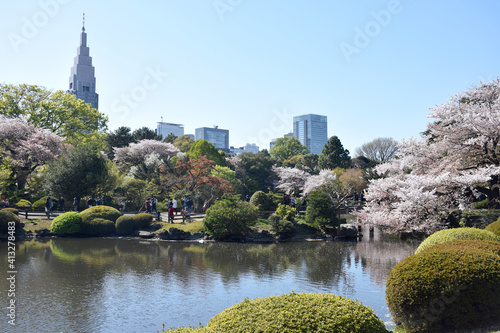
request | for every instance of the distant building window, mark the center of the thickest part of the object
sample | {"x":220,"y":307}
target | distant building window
{"x":71,"y":86}
{"x":86,"y":88}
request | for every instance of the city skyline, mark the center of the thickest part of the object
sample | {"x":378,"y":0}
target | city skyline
{"x":374,"y":69}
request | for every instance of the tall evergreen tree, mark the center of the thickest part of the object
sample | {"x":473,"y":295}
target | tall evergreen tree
{"x":334,"y":155}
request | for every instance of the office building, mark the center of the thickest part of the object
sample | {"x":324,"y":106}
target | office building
{"x":216,"y":136}
{"x":82,"y":79}
{"x":311,"y":131}
{"x":164,"y":129}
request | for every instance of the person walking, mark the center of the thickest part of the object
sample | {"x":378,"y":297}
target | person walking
{"x":61,"y":203}
{"x":153,"y":205}
{"x":189,"y":204}
{"x":48,"y":206}
{"x":147,"y":204}
{"x":75,"y":204}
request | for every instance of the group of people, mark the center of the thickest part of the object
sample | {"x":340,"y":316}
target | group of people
{"x":150,"y":205}
{"x":187,"y":208}
{"x":4,"y":202}
{"x":98,"y":201}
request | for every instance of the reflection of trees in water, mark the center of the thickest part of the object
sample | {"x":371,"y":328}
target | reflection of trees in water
{"x":378,"y":258}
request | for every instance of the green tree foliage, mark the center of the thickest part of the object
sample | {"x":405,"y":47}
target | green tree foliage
{"x":81,"y":171}
{"x":256,"y":170}
{"x":121,"y":137}
{"x":230,"y":217}
{"x":204,"y":148}
{"x":334,"y":155}
{"x":183,"y":143}
{"x":170,"y":138}
{"x":58,"y":112}
{"x":145,"y":133}
{"x":286,"y":212}
{"x":263,"y":201}
{"x":286,"y":147}
{"x":320,"y":210}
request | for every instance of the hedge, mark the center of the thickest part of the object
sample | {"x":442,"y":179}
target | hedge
{"x":494,"y":227}
{"x":6,"y":217}
{"x":458,"y":233}
{"x":103,"y":212}
{"x":124,"y":225}
{"x":453,"y":285}
{"x":67,"y":223}
{"x":97,"y":226}
{"x":305,"y":312}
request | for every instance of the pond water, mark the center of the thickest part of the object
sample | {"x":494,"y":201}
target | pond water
{"x":120,"y":285}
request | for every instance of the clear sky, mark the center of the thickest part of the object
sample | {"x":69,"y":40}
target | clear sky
{"x":373,"y":67}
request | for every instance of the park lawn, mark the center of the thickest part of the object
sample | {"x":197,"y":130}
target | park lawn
{"x":192,"y":227}
{"x":34,"y":225}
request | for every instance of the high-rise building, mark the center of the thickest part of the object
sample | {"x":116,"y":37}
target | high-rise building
{"x":311,"y":131}
{"x":164,"y":129}
{"x":82,"y":79}
{"x":216,"y":136}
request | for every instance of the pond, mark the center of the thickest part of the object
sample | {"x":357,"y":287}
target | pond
{"x":122,"y":285}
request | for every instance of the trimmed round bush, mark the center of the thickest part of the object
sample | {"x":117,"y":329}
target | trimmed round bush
{"x":263,"y":201}
{"x":67,"y":223}
{"x":23,"y":203}
{"x":494,"y":227}
{"x":103,"y":212}
{"x":12,"y":210}
{"x":97,"y":226}
{"x":142,"y":220}
{"x":294,"y":312}
{"x":320,"y":210}
{"x":6,"y":217}
{"x":124,"y":225}
{"x":40,"y":203}
{"x":446,"y":287}
{"x":458,"y":233}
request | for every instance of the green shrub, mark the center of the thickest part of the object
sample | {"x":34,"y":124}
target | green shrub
{"x":263,"y":201}
{"x":445,"y":287}
{"x":23,"y":203}
{"x":124,"y":225}
{"x":10,"y":209}
{"x":40,"y":203}
{"x":494,"y":227}
{"x":6,"y":217}
{"x":480,"y":204}
{"x":320,"y":210}
{"x":281,"y":226}
{"x":458,"y":233}
{"x":103,"y":212}
{"x":97,"y":226}
{"x":67,"y":223}
{"x":142,"y":220}
{"x":294,"y":312}
{"x":286,"y":212}
{"x":230,"y":217}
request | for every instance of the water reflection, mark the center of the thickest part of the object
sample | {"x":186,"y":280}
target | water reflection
{"x":105,"y":285}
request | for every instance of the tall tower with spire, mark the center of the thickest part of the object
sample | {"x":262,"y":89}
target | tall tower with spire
{"x":82,"y":79}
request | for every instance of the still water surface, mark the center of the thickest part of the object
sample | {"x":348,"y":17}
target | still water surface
{"x":118,"y":285}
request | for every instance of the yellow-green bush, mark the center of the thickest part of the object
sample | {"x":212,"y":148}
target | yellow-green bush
{"x":124,"y":225}
{"x":6,"y":217}
{"x":97,"y":226}
{"x":494,"y":227}
{"x":67,"y":223}
{"x":458,"y":233}
{"x":294,"y":312}
{"x":103,"y":212}
{"x":10,"y":209}
{"x":23,"y":203}
{"x":446,"y":287}
{"x":142,"y":220}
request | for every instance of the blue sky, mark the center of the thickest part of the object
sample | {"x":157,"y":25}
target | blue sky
{"x":374,"y":68}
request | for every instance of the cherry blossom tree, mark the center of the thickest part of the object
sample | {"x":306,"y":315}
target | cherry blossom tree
{"x":291,"y":180}
{"x":458,"y":153}
{"x":136,"y":153}
{"x":26,"y":147}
